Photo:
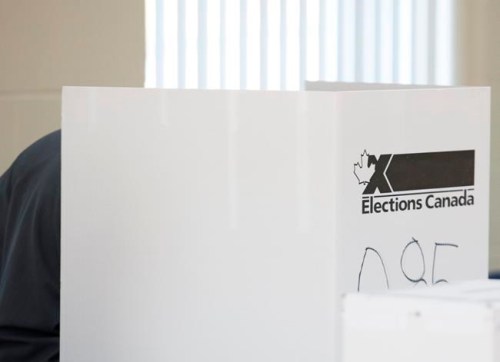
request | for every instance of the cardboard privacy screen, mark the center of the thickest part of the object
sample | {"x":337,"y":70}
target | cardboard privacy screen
{"x":225,"y":225}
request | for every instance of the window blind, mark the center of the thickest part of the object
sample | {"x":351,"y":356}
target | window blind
{"x":278,"y":44}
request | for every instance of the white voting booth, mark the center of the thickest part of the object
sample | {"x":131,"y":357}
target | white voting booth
{"x":225,"y":225}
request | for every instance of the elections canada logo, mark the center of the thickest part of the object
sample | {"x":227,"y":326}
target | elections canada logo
{"x":415,"y":181}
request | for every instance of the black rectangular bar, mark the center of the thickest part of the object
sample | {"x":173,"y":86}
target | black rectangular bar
{"x":431,"y":170}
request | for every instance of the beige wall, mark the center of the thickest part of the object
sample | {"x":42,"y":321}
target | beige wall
{"x":479,"y":64}
{"x":47,"y":44}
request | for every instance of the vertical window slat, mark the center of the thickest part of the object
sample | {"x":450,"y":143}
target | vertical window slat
{"x":330,"y":45}
{"x":387,"y":49}
{"x":377,"y":39}
{"x":274,"y":70}
{"x":404,"y":46}
{"x":160,"y":42}
{"x":312,"y":45}
{"x":431,"y":42}
{"x":420,"y":32}
{"x":243,"y":44}
{"x":284,"y":41}
{"x":213,"y":47}
{"x":232,"y":44}
{"x":302,"y":42}
{"x":253,"y":74}
{"x":359,"y":40}
{"x":369,"y":33}
{"x":347,"y":39}
{"x":395,"y":42}
{"x":191,"y":31}
{"x":202,"y":44}
{"x":222,"y":44}
{"x":264,"y":36}
{"x":293,"y":45}
{"x":444,"y":42}
{"x":181,"y":39}
{"x":170,"y":68}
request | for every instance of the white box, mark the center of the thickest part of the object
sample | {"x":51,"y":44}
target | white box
{"x":225,"y":225}
{"x":458,"y":322}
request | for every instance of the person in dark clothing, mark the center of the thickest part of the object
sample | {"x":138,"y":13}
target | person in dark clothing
{"x":30,"y":210}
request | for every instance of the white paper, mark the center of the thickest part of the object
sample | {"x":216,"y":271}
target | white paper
{"x":457,"y":322}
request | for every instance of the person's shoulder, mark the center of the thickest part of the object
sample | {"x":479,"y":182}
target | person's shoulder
{"x":46,"y":149}
{"x":40,"y":158}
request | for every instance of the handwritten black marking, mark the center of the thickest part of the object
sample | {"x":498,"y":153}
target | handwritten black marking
{"x":436,"y":245}
{"x":363,"y":264}
{"x":421,"y":278}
